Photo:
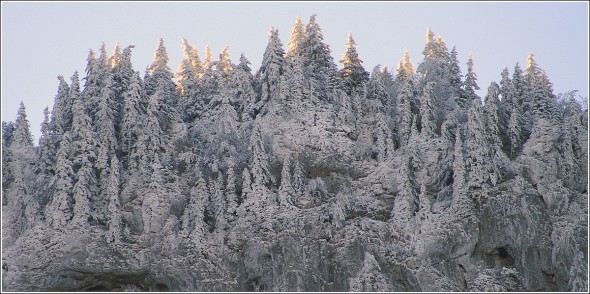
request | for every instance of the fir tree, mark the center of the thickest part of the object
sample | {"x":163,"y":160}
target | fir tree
{"x":428,"y":120}
{"x":317,"y":61}
{"x":470,"y":84}
{"x":115,"y":225}
{"x":261,"y":175}
{"x":59,"y":211}
{"x":353,"y":74}
{"x":297,"y":38}
{"x":492,"y":121}
{"x":271,"y":69}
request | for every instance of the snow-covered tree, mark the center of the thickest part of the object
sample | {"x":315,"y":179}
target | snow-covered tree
{"x":230,"y":190}
{"x":405,"y":69}
{"x":405,"y":204}
{"x":318,"y":64}
{"x":297,"y":37}
{"x":470,"y":84}
{"x":242,"y":89}
{"x":353,"y":74}
{"x":115,"y":231}
{"x":131,"y":120}
{"x":405,"y":95}
{"x":539,"y":92}
{"x":193,"y":224}
{"x":514,"y":132}
{"x":153,"y":210}
{"x":271,"y":69}
{"x":491,"y":117}
{"x":59,"y":210}
{"x":428,"y":120}
{"x":261,"y":175}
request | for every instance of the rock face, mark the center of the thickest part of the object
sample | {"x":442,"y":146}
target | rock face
{"x":312,"y":188}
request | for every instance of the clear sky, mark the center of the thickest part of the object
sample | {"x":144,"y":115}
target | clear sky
{"x":42,"y":40}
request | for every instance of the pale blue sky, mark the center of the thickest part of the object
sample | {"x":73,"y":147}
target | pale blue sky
{"x":43,"y":40}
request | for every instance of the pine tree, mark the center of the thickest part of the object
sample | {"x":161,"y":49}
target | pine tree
{"x":153,"y":210}
{"x":60,"y":114}
{"x":44,"y":168}
{"x":477,"y":149}
{"x":470,"y":84}
{"x":271,"y":69}
{"x":230,"y":191}
{"x":242,"y":89}
{"x":353,"y":74}
{"x":22,"y":210}
{"x":194,"y":214}
{"x":297,"y":38}
{"x":455,"y":74}
{"x":107,"y":147}
{"x":59,"y":211}
{"x":459,"y":172}
{"x":376,"y":96}
{"x":405,"y":69}
{"x":84,"y":154}
{"x":116,"y":58}
{"x":405,"y":96}
{"x":428,"y":120}
{"x":318,"y":64}
{"x":492,"y":121}
{"x":514,"y":132}
{"x":115,"y":225}
{"x":406,"y":203}
{"x":539,"y":92}
{"x":131,"y":120}
{"x":261,"y":175}
{"x":219,"y":205}
{"x":224,"y":64}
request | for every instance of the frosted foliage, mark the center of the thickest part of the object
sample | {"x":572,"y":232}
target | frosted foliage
{"x":299,"y":177}
{"x":297,"y":37}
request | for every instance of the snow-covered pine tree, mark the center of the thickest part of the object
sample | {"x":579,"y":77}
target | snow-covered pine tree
{"x":193,"y":224}
{"x":60,"y":117}
{"x":242,"y":89}
{"x":219,"y":205}
{"x":230,"y":190}
{"x":428,"y":120}
{"x":115,"y":225}
{"x":455,"y":76}
{"x":405,"y":95}
{"x":107,"y":148}
{"x":318,"y":64}
{"x":59,"y":210}
{"x":153,"y":206}
{"x":514,"y":132}
{"x":478,"y":150}
{"x":470,"y":84}
{"x":405,"y":204}
{"x":84,"y":155}
{"x":491,"y":117}
{"x":376,"y":95}
{"x":296,"y":39}
{"x":539,"y":92}
{"x":353,"y":74}
{"x":271,"y":69}
{"x":405,"y":69}
{"x":22,"y":211}
{"x":131,"y":121}
{"x":261,"y":175}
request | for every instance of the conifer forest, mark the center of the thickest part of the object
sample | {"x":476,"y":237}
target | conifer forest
{"x":306,"y":174}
